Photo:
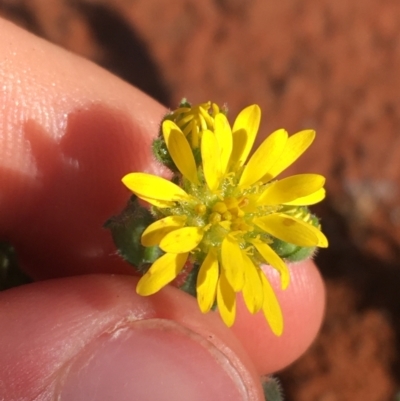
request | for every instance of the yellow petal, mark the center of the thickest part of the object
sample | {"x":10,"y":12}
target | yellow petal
{"x":148,"y":186}
{"x":223,"y":134}
{"x":292,"y":230}
{"x":161,"y":272}
{"x":296,"y":145}
{"x":232,"y":263}
{"x":272,"y":258}
{"x":156,"y":231}
{"x":186,"y":118}
{"x":244,"y":133}
{"x":210,"y":154}
{"x":253,"y":293}
{"x":226,"y":300}
{"x":180,"y":150}
{"x":271,"y":308}
{"x":207,"y":281}
{"x":291,"y":188}
{"x":264,"y":158}
{"x":158,"y":203}
{"x":182,"y":240}
{"x":205,"y":114}
{"x":312,"y":199}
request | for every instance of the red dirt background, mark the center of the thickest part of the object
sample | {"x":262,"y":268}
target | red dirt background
{"x":329,"y":65}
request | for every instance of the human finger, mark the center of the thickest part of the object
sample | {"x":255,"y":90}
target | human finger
{"x":92,"y":337}
{"x":69,"y":131}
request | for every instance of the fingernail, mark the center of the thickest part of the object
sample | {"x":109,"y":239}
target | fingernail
{"x":153,"y":360}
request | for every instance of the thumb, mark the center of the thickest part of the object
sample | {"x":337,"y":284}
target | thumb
{"x":92,"y":337}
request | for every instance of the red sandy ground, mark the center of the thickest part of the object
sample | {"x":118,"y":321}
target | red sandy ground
{"x":330,"y":65}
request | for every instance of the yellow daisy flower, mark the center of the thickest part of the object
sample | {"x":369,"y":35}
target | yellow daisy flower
{"x":225,"y":214}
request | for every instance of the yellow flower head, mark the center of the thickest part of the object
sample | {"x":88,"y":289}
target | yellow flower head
{"x":224,"y":215}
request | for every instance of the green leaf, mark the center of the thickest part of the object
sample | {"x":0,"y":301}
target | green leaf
{"x":126,"y":230}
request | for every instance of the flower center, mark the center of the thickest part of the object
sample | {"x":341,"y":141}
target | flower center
{"x":229,"y":212}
